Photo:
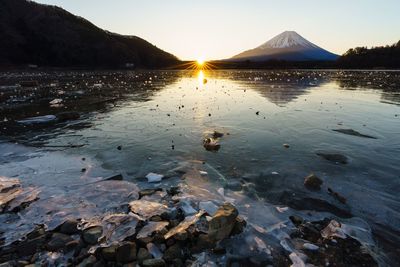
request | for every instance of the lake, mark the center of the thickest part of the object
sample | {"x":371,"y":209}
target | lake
{"x":278,"y":127}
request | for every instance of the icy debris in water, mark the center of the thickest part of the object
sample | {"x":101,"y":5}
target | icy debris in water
{"x":154,"y":251}
{"x":221,"y":191}
{"x":282,"y":209}
{"x":333,"y":230}
{"x":274,"y":173}
{"x":154,"y":177}
{"x":56,"y":101}
{"x":310,"y":246}
{"x":209,"y":207}
{"x":203,"y":173}
{"x":39,"y":120}
{"x":150,"y":228}
{"x":185,"y":224}
{"x":297,"y":261}
{"x":147,"y":209}
{"x":187,"y":208}
{"x":117,"y":227}
{"x":261,"y":246}
{"x":13,"y":196}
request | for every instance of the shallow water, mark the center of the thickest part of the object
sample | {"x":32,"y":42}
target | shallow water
{"x":160,"y":119}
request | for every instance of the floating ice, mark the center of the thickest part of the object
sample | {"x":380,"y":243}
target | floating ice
{"x":154,"y":177}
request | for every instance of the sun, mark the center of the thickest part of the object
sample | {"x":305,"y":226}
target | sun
{"x":200,"y":62}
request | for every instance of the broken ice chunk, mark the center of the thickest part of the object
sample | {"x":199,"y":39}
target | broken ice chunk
{"x":154,"y":177}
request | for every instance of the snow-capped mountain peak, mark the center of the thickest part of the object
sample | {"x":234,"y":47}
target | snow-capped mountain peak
{"x":288,"y":39}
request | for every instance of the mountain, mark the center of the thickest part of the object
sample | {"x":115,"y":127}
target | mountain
{"x":289,"y":46}
{"x":33,"y":33}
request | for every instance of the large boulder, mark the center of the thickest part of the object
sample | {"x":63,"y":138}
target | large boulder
{"x":223,"y":222}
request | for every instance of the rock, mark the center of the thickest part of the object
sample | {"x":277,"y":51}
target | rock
{"x":154,"y":177}
{"x":240,"y":224}
{"x":286,"y":145}
{"x":180,"y":230}
{"x":69,"y":227}
{"x":209,"y":207}
{"x":126,"y":252}
{"x":148,"y":209}
{"x":296,"y":220}
{"x":153,"y":263}
{"x":117,"y":177}
{"x":211,"y":144}
{"x":354,"y":133}
{"x":234,"y":185}
{"x":173,"y":190}
{"x":109,"y":253}
{"x":152,"y":228}
{"x":148,"y":192}
{"x":154,"y":251}
{"x":89,"y":261}
{"x":142,"y":255}
{"x":173,"y":252}
{"x":91,"y":235}
{"x":337,"y":158}
{"x":223,"y":221}
{"x":217,"y":134}
{"x":313,"y":182}
{"x":336,"y":195}
{"x":67,"y":116}
{"x":58,"y":241}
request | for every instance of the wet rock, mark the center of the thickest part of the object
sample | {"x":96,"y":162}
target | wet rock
{"x":89,"y":261}
{"x":210,"y":144}
{"x":67,"y":116}
{"x":126,"y":252}
{"x":148,"y":192}
{"x":143,"y":255}
{"x":336,"y":158}
{"x":154,"y":251}
{"x":286,"y":145}
{"x":240,"y":225}
{"x":173,"y":252}
{"x":148,"y":209}
{"x":337,"y":196}
{"x":327,"y":243}
{"x":181,"y":228}
{"x":299,"y":202}
{"x":153,"y":263}
{"x":296,"y":220}
{"x":234,"y":185}
{"x":91,"y":235}
{"x":69,"y":227}
{"x":109,"y":253}
{"x":354,"y":133}
{"x":58,"y":241}
{"x":217,"y":134}
{"x":313,"y":182}
{"x":148,"y":231}
{"x":173,"y":190}
{"x":223,"y":222}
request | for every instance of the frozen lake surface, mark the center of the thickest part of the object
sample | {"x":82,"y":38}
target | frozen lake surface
{"x":278,"y":127}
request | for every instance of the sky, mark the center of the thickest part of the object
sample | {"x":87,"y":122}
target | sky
{"x":218,"y":29}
